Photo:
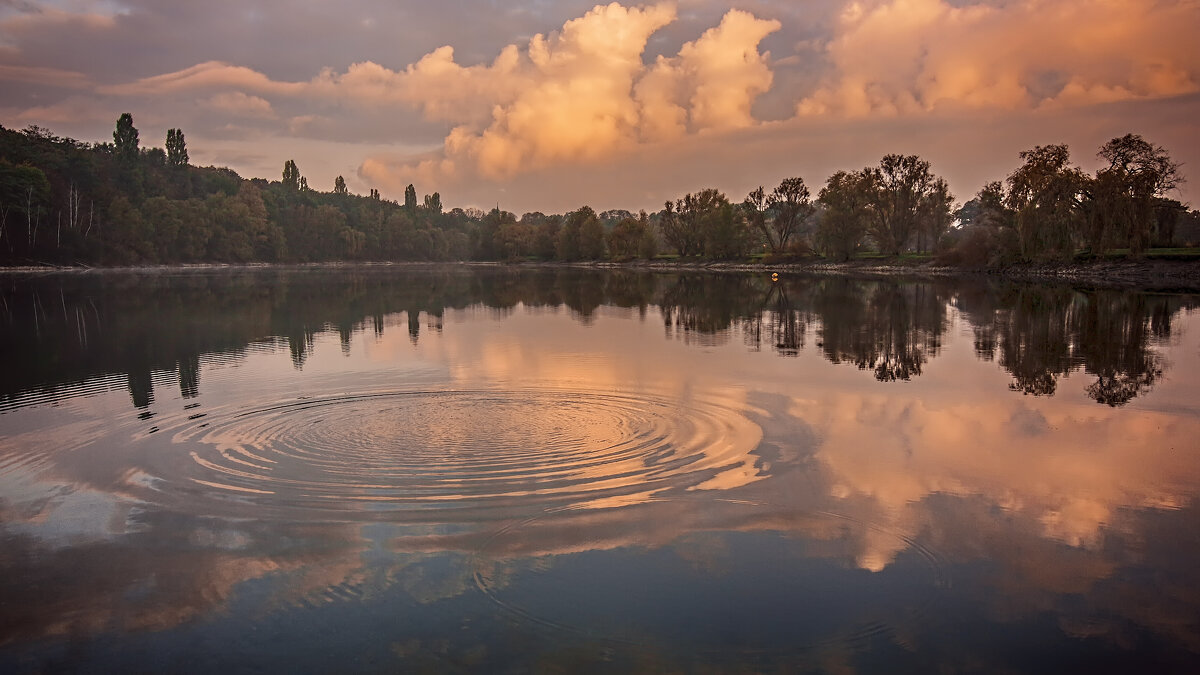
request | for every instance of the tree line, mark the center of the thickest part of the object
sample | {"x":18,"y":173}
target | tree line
{"x":64,"y":202}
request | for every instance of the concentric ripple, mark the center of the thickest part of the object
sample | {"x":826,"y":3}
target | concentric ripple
{"x":374,"y":453}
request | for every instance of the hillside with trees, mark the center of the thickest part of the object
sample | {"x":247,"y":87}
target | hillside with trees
{"x":64,"y":202}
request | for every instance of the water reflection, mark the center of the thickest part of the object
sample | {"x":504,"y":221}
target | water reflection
{"x":139,"y":324}
{"x":1043,"y":334}
{"x":462,"y":456}
{"x":489,"y":469}
{"x":889,"y":329}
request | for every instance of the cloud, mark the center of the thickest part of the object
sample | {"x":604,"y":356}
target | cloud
{"x":240,"y":104}
{"x":67,"y":111}
{"x":910,"y":56}
{"x":577,"y":103}
{"x":585,"y":94}
{"x":578,"y":95}
{"x":32,"y":17}
{"x":625,"y":105}
{"x":207,"y":75}
{"x":711,"y":84}
{"x":68,"y":79}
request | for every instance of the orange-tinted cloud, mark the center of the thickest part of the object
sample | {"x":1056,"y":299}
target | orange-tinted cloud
{"x":577,"y":102}
{"x":577,"y":95}
{"x":207,"y":75}
{"x":588,"y":98}
{"x":710,"y":84}
{"x":585,"y":94}
{"x":239,"y":104}
{"x":909,"y":56}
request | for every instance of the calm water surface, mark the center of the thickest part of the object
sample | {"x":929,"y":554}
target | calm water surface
{"x":477,"y":469}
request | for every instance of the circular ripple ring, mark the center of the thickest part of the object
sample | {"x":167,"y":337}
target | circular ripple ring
{"x":386,"y":451}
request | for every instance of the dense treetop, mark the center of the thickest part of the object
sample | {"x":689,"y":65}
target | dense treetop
{"x":63,"y":202}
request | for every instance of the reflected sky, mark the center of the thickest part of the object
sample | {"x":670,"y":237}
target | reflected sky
{"x":489,"y":470}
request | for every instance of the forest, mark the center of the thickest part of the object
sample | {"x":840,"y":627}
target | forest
{"x":68,"y":203}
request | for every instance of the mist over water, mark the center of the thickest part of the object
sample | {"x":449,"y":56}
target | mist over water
{"x":461,"y":469}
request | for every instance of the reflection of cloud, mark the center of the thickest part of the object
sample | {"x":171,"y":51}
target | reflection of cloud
{"x":526,"y":351}
{"x":87,"y":589}
{"x":1071,"y":470}
{"x":904,"y":56}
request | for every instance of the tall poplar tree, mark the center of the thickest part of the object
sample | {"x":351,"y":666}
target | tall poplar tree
{"x":291,"y":175}
{"x":177,"y":155}
{"x":125,"y":138}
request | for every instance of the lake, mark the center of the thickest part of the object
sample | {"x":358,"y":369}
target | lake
{"x":490,"y":469}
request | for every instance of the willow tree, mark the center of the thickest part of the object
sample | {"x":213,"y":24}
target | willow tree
{"x":933,"y":214}
{"x":1044,"y":194}
{"x":845,"y":213}
{"x":1124,"y":193}
{"x":898,"y":187}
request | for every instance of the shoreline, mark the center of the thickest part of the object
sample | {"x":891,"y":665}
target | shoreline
{"x":1146,"y":275}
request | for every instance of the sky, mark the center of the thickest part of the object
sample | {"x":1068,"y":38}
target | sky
{"x":533,"y":105}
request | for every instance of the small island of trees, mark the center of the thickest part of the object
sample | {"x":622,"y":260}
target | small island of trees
{"x":68,"y":203}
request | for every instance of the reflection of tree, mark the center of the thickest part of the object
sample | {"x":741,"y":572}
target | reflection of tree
{"x":141,"y":388}
{"x":781,"y":320}
{"x":631,"y":289}
{"x":189,"y":376}
{"x":299,"y":345}
{"x":583,"y":293}
{"x":1114,"y":338}
{"x":136,"y":324}
{"x":786,"y":324}
{"x":1041,"y":334}
{"x":889,"y":328}
{"x":706,"y":306}
{"x":61,"y":329}
{"x":892,"y":329}
{"x":1033,"y":342}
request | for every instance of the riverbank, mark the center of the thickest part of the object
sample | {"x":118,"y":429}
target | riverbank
{"x":1145,"y":274}
{"x":1178,"y":275}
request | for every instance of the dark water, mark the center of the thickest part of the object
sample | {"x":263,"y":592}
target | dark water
{"x":483,"y":470}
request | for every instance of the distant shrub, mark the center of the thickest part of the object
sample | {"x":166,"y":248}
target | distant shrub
{"x":979,"y":246}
